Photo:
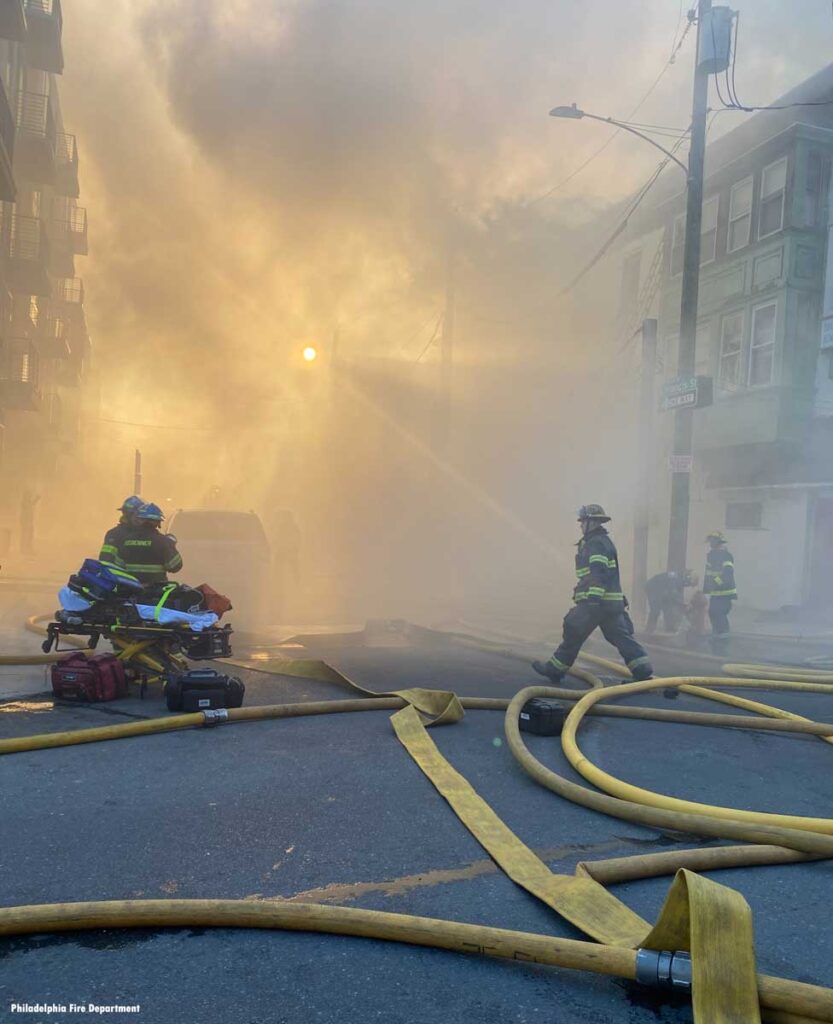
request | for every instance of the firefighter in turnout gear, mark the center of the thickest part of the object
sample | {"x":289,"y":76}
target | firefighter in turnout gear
{"x":141,"y":549}
{"x":113,"y":537}
{"x":719,"y":587}
{"x":599,"y":602}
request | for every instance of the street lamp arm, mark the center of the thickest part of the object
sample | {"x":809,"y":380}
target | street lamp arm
{"x":574,"y":113}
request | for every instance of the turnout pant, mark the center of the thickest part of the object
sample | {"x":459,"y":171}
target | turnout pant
{"x":616,"y":627}
{"x":670,"y":612}
{"x":719,"y":608}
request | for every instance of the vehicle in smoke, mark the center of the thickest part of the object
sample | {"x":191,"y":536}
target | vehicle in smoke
{"x":230,"y":551}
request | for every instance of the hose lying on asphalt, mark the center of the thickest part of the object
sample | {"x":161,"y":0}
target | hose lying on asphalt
{"x":712,"y":921}
{"x":775,"y":994}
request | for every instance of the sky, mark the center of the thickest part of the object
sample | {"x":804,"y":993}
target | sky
{"x":262,"y":176}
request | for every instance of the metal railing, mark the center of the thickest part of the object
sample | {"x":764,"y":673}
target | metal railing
{"x":50,"y":8}
{"x":34,"y":115}
{"x":72,"y":226}
{"x":72,"y":290}
{"x":27,"y":238}
{"x":7,"y":128}
{"x":19,"y":363}
{"x":66,"y":150}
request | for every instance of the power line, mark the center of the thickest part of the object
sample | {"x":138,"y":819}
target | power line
{"x":676,"y":46}
{"x":623,"y":223}
{"x":432,"y":339}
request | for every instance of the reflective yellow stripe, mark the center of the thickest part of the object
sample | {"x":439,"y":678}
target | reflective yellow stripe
{"x":599,"y":558}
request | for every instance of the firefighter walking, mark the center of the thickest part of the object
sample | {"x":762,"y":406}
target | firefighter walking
{"x":599,"y":602}
{"x":719,"y":586}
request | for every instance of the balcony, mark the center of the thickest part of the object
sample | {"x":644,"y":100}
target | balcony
{"x":19,"y":375}
{"x":44,"y":23}
{"x":7,"y":135}
{"x":12,"y":20}
{"x":68,"y":239}
{"x":53,"y":338}
{"x":66,"y":166}
{"x":28,"y":256}
{"x":36,"y":138}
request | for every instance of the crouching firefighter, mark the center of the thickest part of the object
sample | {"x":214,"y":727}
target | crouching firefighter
{"x":599,"y":602}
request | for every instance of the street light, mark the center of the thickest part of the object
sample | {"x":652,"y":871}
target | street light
{"x":574,"y":113}
{"x":310,"y":353}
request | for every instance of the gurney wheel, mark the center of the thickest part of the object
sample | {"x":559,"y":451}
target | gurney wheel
{"x":46,"y":646}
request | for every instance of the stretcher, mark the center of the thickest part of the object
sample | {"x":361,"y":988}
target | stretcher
{"x":150,"y":651}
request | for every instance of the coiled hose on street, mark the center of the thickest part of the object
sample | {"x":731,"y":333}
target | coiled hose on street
{"x":776,"y":838}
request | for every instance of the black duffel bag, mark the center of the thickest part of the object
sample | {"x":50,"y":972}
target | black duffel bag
{"x":203,"y":689}
{"x":176,"y":597}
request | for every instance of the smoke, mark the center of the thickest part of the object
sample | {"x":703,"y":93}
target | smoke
{"x":261,"y":176}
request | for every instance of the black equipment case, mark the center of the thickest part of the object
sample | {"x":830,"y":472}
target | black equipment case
{"x":203,"y":689}
{"x":542,"y":717}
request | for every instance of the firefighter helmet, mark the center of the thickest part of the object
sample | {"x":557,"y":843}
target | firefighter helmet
{"x":593,"y":512}
{"x":131,"y":504}
{"x":150,"y":513}
{"x":717,"y":536}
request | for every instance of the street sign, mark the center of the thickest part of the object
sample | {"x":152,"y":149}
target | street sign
{"x":687,"y":393}
{"x":680,"y":463}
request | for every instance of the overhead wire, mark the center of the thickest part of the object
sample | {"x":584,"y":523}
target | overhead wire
{"x":676,"y":46}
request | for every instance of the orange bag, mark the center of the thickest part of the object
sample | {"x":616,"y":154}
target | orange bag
{"x":214,"y":601}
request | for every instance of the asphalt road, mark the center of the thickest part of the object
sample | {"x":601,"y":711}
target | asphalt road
{"x":333,"y":809}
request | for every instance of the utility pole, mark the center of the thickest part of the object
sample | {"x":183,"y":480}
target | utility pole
{"x":683,"y":418}
{"x":137,"y":472}
{"x":443,"y":421}
{"x":642,"y":503}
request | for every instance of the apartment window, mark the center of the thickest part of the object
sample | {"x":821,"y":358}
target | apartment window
{"x":740,"y":215}
{"x":708,"y":230}
{"x":773,"y":187}
{"x":744,"y":515}
{"x":731,"y":351}
{"x":678,"y":245}
{"x":813,"y":190}
{"x":762,"y":346}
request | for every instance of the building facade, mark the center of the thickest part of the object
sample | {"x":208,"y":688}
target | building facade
{"x":44,"y":343}
{"x":763,"y":451}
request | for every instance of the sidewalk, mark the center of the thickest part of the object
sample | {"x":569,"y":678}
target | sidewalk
{"x":15,"y":608}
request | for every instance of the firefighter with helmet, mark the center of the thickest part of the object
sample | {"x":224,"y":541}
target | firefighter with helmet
{"x":599,"y":602}
{"x":719,"y":586}
{"x":145,"y":552}
{"x":114,"y":536}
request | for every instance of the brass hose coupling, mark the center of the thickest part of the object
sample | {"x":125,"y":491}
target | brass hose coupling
{"x":663,"y":968}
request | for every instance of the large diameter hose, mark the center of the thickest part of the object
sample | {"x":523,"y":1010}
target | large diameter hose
{"x":704,"y":823}
{"x":636,"y":794}
{"x":776,"y":994}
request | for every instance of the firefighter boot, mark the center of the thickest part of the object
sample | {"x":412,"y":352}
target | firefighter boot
{"x":546,"y":668}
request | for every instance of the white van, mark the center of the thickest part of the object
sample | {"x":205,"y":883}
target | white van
{"x":229,"y":551}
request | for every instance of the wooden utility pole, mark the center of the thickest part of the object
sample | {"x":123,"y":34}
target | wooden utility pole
{"x":645,"y":457}
{"x":684,"y":418}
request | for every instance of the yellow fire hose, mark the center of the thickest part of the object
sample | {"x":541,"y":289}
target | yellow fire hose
{"x":710,"y":920}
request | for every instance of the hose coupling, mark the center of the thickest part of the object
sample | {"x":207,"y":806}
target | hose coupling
{"x":663,"y":968}
{"x":215,"y":717}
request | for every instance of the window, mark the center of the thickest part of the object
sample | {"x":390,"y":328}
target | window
{"x":678,"y":245}
{"x":744,"y":515}
{"x":773,"y":187}
{"x":813,"y":190}
{"x":731,"y":351}
{"x":708,"y":230}
{"x":740,"y":215}
{"x":762,"y":347}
